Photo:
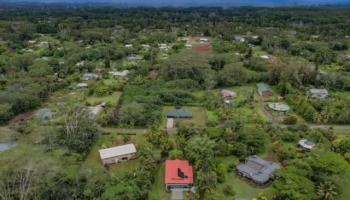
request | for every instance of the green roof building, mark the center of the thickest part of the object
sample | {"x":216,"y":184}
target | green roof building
{"x":178,"y":113}
{"x":264,"y":90}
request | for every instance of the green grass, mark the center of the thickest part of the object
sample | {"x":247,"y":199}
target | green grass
{"x":6,"y":134}
{"x":346,"y":192}
{"x":199,"y":115}
{"x":158,"y":191}
{"x":112,"y":99}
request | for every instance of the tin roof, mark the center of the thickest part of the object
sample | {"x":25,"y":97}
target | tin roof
{"x":178,"y":172}
{"x":117,"y":151}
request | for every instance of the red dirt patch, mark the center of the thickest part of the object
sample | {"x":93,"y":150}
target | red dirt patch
{"x":22,"y":117}
{"x":201,"y":48}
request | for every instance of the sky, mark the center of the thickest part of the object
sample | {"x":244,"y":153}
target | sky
{"x":198,"y":2}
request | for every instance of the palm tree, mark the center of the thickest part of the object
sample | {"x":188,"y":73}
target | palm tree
{"x":327,"y":190}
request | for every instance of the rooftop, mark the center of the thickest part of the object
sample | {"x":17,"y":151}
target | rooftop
{"x":259,"y":170}
{"x":306,"y":144}
{"x":178,"y":172}
{"x":117,"y":151}
{"x":279,"y":107}
{"x":262,"y":87}
{"x":318,"y":91}
{"x":179,"y":113}
{"x":228,"y":93}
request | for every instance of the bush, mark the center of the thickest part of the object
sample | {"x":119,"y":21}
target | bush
{"x":290,"y":120}
{"x":228,"y":190}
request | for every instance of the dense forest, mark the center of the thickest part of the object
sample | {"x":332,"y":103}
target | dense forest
{"x":74,"y":80}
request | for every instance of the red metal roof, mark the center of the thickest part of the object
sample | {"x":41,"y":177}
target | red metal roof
{"x":171,"y":172}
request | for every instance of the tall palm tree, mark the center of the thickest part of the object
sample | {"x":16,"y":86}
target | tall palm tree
{"x":327,"y":191}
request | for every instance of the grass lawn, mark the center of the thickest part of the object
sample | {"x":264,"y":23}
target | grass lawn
{"x":157,"y":191}
{"x":243,"y":189}
{"x":6,"y":134}
{"x":199,"y":115}
{"x":112,"y":99}
{"x":346,"y":192}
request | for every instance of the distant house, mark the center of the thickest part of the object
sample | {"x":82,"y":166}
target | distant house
{"x":228,"y":96}
{"x":146,"y":46}
{"x":264,"y":90}
{"x":128,"y":46}
{"x":163,"y":46}
{"x":240,"y":39}
{"x":89,"y":76}
{"x":44,"y":114}
{"x":134,"y":58}
{"x":177,"y":114}
{"x":265,"y":57}
{"x":120,"y":74}
{"x":82,"y":85}
{"x":117,"y":154}
{"x":258,"y":170}
{"x":178,"y":175}
{"x":79,"y":64}
{"x":281,"y":108}
{"x":306,"y":144}
{"x":203,"y":40}
{"x":318,"y":93}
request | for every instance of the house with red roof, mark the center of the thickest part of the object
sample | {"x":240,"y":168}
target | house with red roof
{"x":178,"y":175}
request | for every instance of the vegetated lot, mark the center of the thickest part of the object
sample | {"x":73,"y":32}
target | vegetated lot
{"x":112,"y":99}
{"x":65,"y":94}
{"x":93,"y":160}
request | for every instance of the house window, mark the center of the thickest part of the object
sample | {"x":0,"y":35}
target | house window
{"x":124,"y":158}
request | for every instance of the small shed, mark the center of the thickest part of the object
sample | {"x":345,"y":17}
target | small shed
{"x":264,"y":90}
{"x":117,"y":154}
{"x":306,"y":144}
{"x":258,"y":170}
{"x":318,"y":93}
{"x":281,"y":108}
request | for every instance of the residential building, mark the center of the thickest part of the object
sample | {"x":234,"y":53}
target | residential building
{"x":117,"y":154}
{"x":258,"y":170}
{"x":228,"y":96}
{"x":178,"y":175}
{"x":318,"y":93}
{"x":264,"y":90}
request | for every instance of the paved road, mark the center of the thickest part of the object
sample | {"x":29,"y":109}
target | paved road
{"x":126,"y":130}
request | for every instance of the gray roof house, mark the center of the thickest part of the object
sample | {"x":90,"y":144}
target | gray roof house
{"x":89,"y":76}
{"x":318,"y":93}
{"x":258,"y":170}
{"x":178,"y":113}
